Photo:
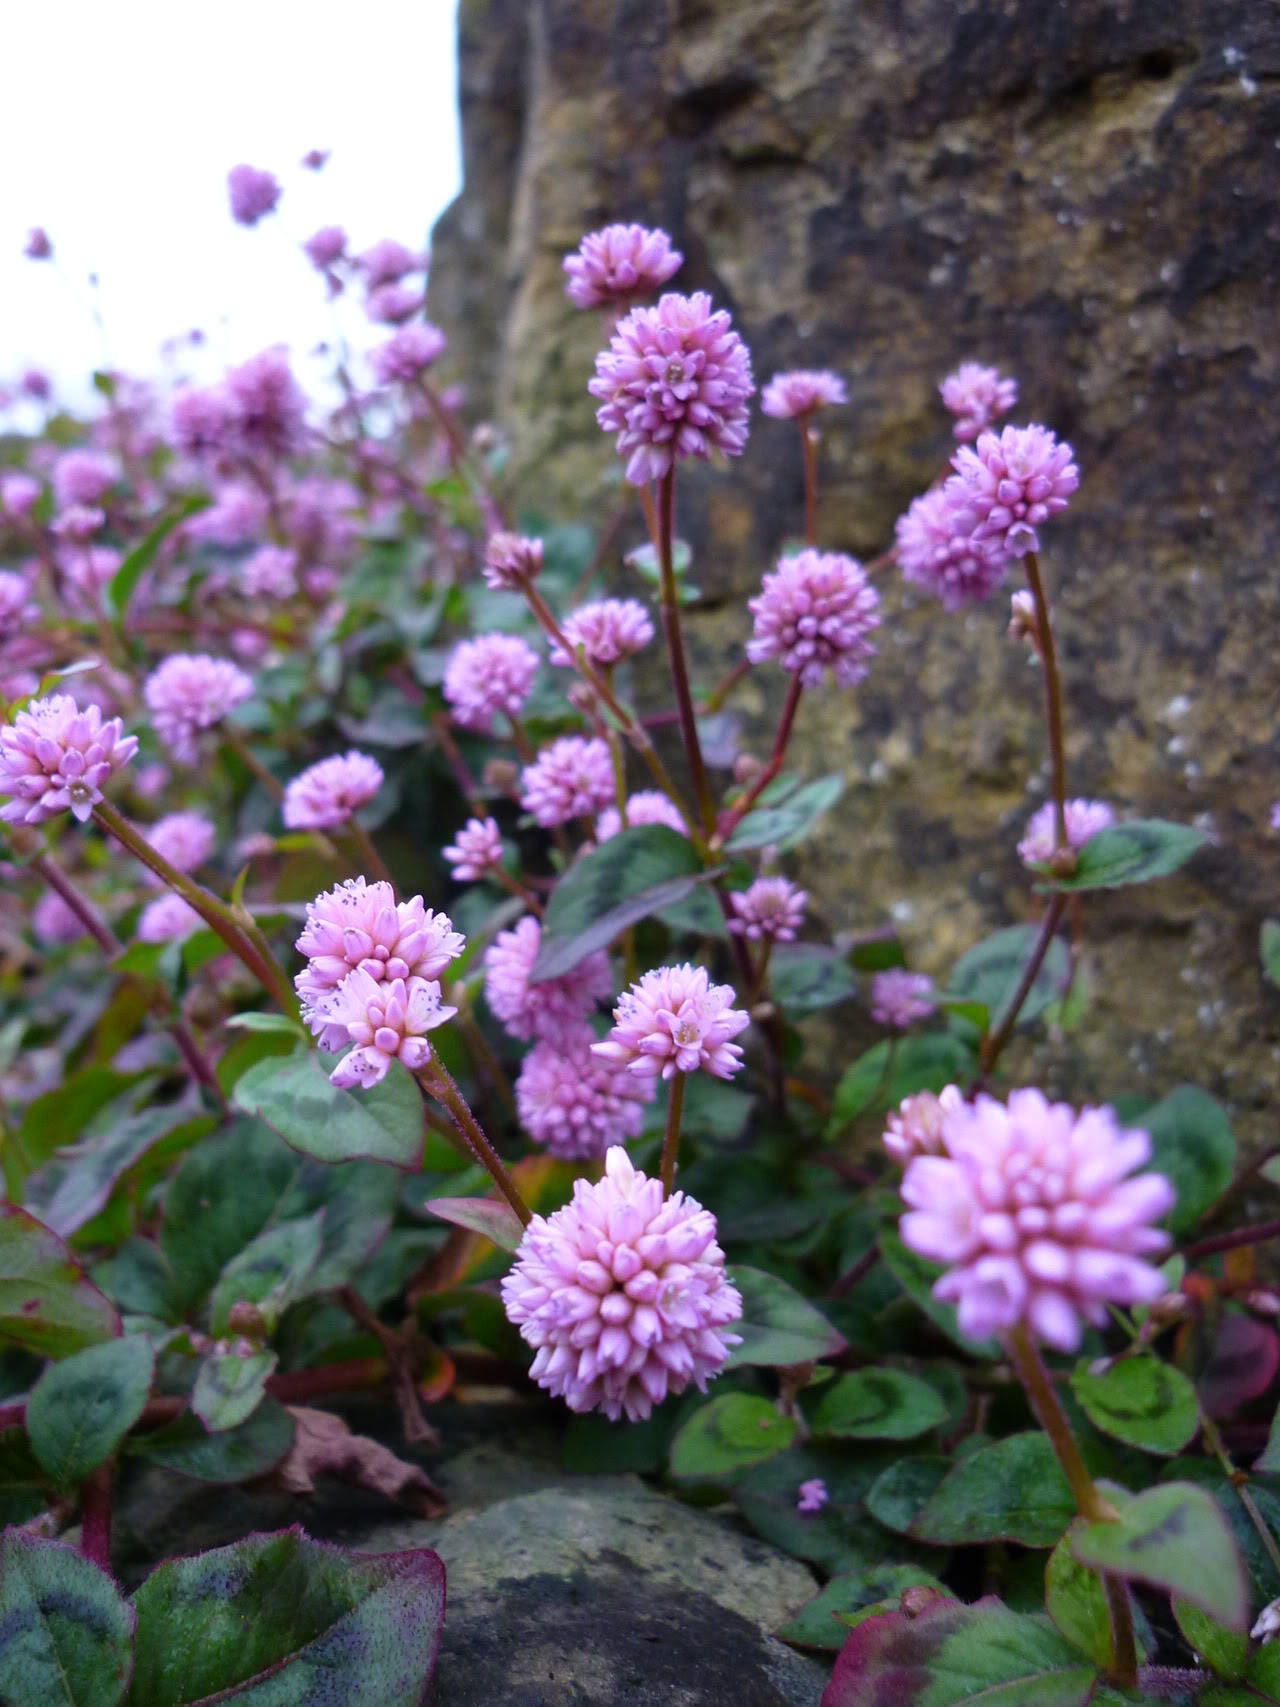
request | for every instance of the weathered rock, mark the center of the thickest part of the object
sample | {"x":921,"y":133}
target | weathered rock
{"x":1080,"y":190}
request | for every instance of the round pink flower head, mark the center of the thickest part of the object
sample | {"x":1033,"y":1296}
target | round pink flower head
{"x":572,"y":778}
{"x":771,"y":910}
{"x":386,"y":1019}
{"x":574,"y":1105}
{"x":674,"y":1020}
{"x":83,"y":477}
{"x":797,"y":395}
{"x":38,"y":247}
{"x":167,"y":919}
{"x":89,"y":572}
{"x":392,"y":304}
{"x":1032,"y":1209}
{"x":253,"y":194}
{"x":977,"y":396}
{"x":511,"y":561}
{"x":315,"y":158}
{"x":476,"y":850}
{"x":191,"y":692}
{"x":899,"y":998}
{"x":408,"y":354}
{"x":56,"y":758}
{"x":77,"y":524}
{"x":185,"y":839}
{"x":387,"y":262}
{"x":647,"y":806}
{"x":17,"y":610}
{"x":816,"y":613}
{"x":271,"y":572}
{"x":326,"y":246}
{"x":199,"y":420}
{"x":37,"y":385}
{"x":937,"y":550}
{"x":1084,"y":820}
{"x":915,"y":1126}
{"x":623,"y":1295}
{"x":1275,"y":816}
{"x":546,"y":1009}
{"x":360,"y":925}
{"x":1012,"y":482}
{"x":54,"y":922}
{"x":608,"y":630}
{"x":331,"y":792}
{"x":674,"y":383}
{"x":267,"y":406}
{"x":813,"y":1495}
{"x":19,"y":495}
{"x":618,"y":264}
{"x":492,"y":673}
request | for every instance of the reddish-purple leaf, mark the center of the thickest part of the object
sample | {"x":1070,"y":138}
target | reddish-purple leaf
{"x":1242,"y":1365}
{"x":47,"y":1303}
{"x":488,"y":1216}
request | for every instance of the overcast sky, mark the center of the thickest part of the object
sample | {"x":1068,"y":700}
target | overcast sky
{"x":118,"y":122}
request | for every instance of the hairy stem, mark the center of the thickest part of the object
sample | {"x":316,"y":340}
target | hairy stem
{"x":439,"y":1084}
{"x":95,"y":1517}
{"x":731,"y":819}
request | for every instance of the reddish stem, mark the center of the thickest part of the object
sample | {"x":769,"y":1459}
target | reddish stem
{"x":731,"y":819}
{"x":1255,"y":1235}
{"x":1053,"y":698}
{"x":95,"y":1517}
{"x":995,"y":1041}
{"x":809,"y":441}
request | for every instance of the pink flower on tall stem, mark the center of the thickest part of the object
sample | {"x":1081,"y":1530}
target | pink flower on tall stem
{"x":185,"y":839}
{"x":645,"y":806}
{"x":361,"y":925}
{"x":618,"y":264}
{"x":623,"y":1295}
{"x":1033,"y":1210}
{"x":546,"y":1009}
{"x":571,"y":778}
{"x":937,"y":550}
{"x":326,"y":246}
{"x":56,"y":758}
{"x":574,"y":1105}
{"x":407,"y":355}
{"x":675,"y":1020}
{"x":1012,"y":482}
{"x":253,"y":194}
{"x":486,"y":676}
{"x":796,"y":395}
{"x":899,"y":998}
{"x":386,"y":1019}
{"x":190,"y":693}
{"x":330,"y":793}
{"x":1085,"y":818}
{"x":816,"y":612}
{"x":511,"y":561}
{"x":674,"y":383}
{"x":608,"y":630}
{"x":83,"y":477}
{"x":977,"y":396}
{"x":476,"y":850}
{"x":267,"y":408}
{"x":167,"y":919}
{"x":771,"y":910}
{"x":387,"y":262}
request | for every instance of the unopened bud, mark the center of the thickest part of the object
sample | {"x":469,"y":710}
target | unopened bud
{"x":1268,"y":1626}
{"x":501,"y":775}
{"x":746,"y":768}
{"x":247,"y":1321}
{"x":1022,"y":617}
{"x":582,"y":698}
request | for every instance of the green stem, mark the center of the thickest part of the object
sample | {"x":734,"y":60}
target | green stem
{"x":251,"y":762}
{"x":671,"y":1139}
{"x":670,"y":607}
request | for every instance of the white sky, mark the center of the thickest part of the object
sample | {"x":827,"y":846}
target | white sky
{"x":118,"y":123}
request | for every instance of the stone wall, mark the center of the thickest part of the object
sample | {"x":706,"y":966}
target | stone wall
{"x":1082,"y":190}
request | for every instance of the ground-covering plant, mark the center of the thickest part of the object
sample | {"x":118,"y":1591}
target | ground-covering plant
{"x":341,"y":806}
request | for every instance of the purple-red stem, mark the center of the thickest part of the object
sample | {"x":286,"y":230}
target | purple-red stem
{"x":95,"y":1517}
{"x":665,"y":543}
{"x":731,"y":819}
{"x":995,"y":1041}
{"x":1052,"y":696}
{"x":1255,"y":1235}
{"x":809,"y":441}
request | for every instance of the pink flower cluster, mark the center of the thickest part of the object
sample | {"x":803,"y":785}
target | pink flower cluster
{"x":608,"y":631}
{"x":1011,"y":483}
{"x":253,"y":194}
{"x":189,"y":693}
{"x":408,"y":354}
{"x":571,"y":778}
{"x":899,"y":998}
{"x":511,"y":560}
{"x":476,"y":850}
{"x":623,"y":1295}
{"x":386,"y":1019}
{"x":83,"y":477}
{"x":977,"y":396}
{"x":17,"y":610}
{"x":815,"y":613}
{"x":771,"y":910}
{"x":915,"y":1126}
{"x":330,"y":793}
{"x":167,"y":919}
{"x":674,"y":383}
{"x":551,"y":1007}
{"x":618,"y":264}
{"x":185,"y":839}
{"x":1084,"y":819}
{"x":646,"y":806}
{"x":573,"y":1104}
{"x":937,"y":551}
{"x":492,"y":673}
{"x":812,"y":1496}
{"x":1033,"y":1210}
{"x":796,"y":395}
{"x":674,"y":1020}
{"x":56,"y":758}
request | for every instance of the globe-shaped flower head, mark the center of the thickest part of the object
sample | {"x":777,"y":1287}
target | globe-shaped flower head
{"x":362,"y":925}
{"x":1085,"y":818}
{"x":646,"y":806}
{"x":623,"y":1295}
{"x":937,"y":550}
{"x":476,"y":850}
{"x":511,"y":561}
{"x":189,"y":693}
{"x":771,"y":910}
{"x":1012,"y":482}
{"x":1033,"y":1210}
{"x":386,"y":1019}
{"x":551,"y":1007}
{"x":574,"y":1105}
{"x":331,"y":792}
{"x":56,"y":758}
{"x":618,"y":264}
{"x":977,"y":396}
{"x":674,"y":383}
{"x":570,"y":778}
{"x":815,"y":613}
{"x":674,"y":1020}
{"x":252,"y":193}
{"x":607,"y":630}
{"x":492,"y":673}
{"x":796,"y":395}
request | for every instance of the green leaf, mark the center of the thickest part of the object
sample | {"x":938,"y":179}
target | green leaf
{"x":24,"y":1487}
{"x":293,"y":1095}
{"x":1077,"y":1603}
{"x":818,"y":1624}
{"x":1132,"y":853}
{"x":878,"y":1404}
{"x":240,"y":1454}
{"x":1192,"y":1142}
{"x":1270,"y":1459}
{"x":989,"y":973}
{"x":82,"y":1408}
{"x":905,"y":1488}
{"x":1269,"y":946}
{"x":1140,"y":1400}
{"x":255,"y":1020}
{"x":778,"y":1326}
{"x":284,"y":1621}
{"x":729,"y":1434}
{"x":66,"y":1632}
{"x":804,"y":979}
{"x":916,"y":1278}
{"x":635,"y":873}
{"x":47,"y":1304}
{"x":841,"y":1536}
{"x":714,"y":1110}
{"x":139,"y":560}
{"x":494,"y":1219}
{"x":271,"y":1272}
{"x":230,"y":1388}
{"x":1013,"y":1490}
{"x":1174,"y":1537}
{"x":1226,"y":1651}
{"x":786,"y":813}
{"x":62,"y":1114}
{"x":949,"y":1655}
{"x":890,"y":1071}
{"x":221,"y":1197}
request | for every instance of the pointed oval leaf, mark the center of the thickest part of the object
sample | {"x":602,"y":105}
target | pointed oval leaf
{"x":489,"y":1216}
{"x":293,"y":1095}
{"x":804,"y":978}
{"x":82,"y":1408}
{"x":1227,"y":1651}
{"x":989,"y":973}
{"x":1076,"y":1601}
{"x":1174,"y":1537}
{"x":878,"y":1404}
{"x":47,"y":1304}
{"x":125,"y":580}
{"x":1192,"y":1142}
{"x":887,"y":1073}
{"x":818,"y":1624}
{"x":1140,"y":1400}
{"x":905,"y":1488}
{"x":729,"y":1434}
{"x":272,"y":1272}
{"x":284,"y":1621}
{"x":66,"y":1631}
{"x":1132,"y":853}
{"x":778,"y":1327}
{"x":1013,"y":1490}
{"x":241,"y":1454}
{"x":786,"y":813}
{"x":229,"y":1389}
